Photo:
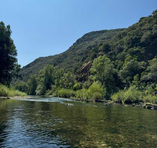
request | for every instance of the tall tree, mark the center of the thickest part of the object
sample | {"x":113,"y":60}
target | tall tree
{"x":32,"y":85}
{"x":103,"y":70}
{"x":8,"y":61}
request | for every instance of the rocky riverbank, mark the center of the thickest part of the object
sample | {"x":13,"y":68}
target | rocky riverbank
{"x":138,"y":105}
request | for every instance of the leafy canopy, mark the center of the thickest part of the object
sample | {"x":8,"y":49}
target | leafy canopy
{"x":8,"y":61}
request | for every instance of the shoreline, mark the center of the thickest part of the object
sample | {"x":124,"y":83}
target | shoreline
{"x":142,"y":105}
{"x":14,"y":97}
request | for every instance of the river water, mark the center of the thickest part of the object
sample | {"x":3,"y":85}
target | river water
{"x":56,"y":122}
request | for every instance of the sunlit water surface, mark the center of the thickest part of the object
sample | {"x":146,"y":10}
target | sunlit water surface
{"x":57,"y":122}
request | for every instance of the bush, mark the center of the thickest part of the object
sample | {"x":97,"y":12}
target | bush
{"x":10,"y":92}
{"x":66,"y":93}
{"x":77,"y":86}
{"x":127,"y":96}
{"x":96,"y":92}
{"x":132,"y":95}
{"x":82,"y":94}
{"x":3,"y":90}
{"x":119,"y":97}
{"x":150,"y":99}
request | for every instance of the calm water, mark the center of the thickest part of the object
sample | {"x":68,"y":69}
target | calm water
{"x":50,"y":123}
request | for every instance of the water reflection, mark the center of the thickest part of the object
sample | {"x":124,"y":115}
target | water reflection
{"x":52,"y":123}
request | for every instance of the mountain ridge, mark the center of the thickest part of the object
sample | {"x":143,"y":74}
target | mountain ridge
{"x":82,"y":46}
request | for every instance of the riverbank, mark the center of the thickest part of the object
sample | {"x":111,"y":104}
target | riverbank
{"x":15,"y":97}
{"x":137,"y":105}
{"x":144,"y":105}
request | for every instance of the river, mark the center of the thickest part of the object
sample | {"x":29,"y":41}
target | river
{"x":57,"y":122}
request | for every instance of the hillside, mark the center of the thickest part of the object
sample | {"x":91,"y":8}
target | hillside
{"x":112,"y":64}
{"x":74,"y":57}
{"x":138,"y":41}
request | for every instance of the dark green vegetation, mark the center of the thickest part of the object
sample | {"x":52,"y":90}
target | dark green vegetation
{"x":51,"y":123}
{"x":8,"y":53}
{"x":116,"y":64}
{"x":9,"y":67}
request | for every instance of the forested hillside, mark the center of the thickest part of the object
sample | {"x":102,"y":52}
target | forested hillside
{"x":72,"y":59}
{"x":116,"y":64}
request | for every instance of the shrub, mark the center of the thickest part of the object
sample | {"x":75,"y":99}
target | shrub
{"x":5,"y":91}
{"x":77,"y":86}
{"x":150,"y":99}
{"x":128,"y":96}
{"x":119,"y":97}
{"x":132,"y":95}
{"x":66,"y":93}
{"x":96,"y":92}
{"x":82,"y":94}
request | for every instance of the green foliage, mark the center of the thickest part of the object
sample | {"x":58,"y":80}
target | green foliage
{"x":10,"y":92}
{"x":41,"y":89}
{"x":103,"y":71}
{"x":58,"y":76}
{"x":47,"y":74}
{"x":82,"y":94}
{"x":50,"y":79}
{"x":32,"y":85}
{"x":102,"y":68}
{"x":68,"y":80}
{"x":130,"y":69}
{"x":8,"y":61}
{"x":77,"y":86}
{"x":21,"y":86}
{"x":151,"y":72}
{"x":66,"y":93}
{"x":96,"y":92}
{"x":150,"y":99}
{"x":119,"y":97}
{"x":132,"y":95}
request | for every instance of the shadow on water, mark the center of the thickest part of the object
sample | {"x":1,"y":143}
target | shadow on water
{"x":54,"y":122}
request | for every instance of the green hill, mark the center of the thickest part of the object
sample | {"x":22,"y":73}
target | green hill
{"x":74,"y":57}
{"x":139,"y":40}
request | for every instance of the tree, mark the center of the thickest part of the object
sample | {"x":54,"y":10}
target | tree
{"x":150,"y":75}
{"x":102,"y":70}
{"x":21,"y":86}
{"x":130,"y":69}
{"x":68,"y":80}
{"x":32,"y":85}
{"x":41,"y":89}
{"x":8,"y":62}
{"x":48,"y":77}
{"x":45,"y":80}
{"x":59,"y":73}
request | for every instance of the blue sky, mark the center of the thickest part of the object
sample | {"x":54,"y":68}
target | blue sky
{"x":47,"y":27}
